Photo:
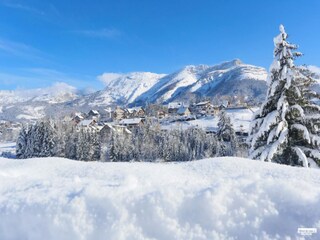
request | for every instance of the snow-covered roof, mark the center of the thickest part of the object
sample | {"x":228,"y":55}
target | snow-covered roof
{"x":182,"y":110}
{"x":130,"y":121}
{"x":94,"y":112}
{"x":175,"y":105}
{"x":202,"y":103}
{"x":109,"y":126}
{"x":80,"y":114}
{"x":85,"y":122}
{"x":134,"y":109}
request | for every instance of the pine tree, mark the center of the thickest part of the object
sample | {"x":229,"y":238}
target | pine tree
{"x":71,"y":143}
{"x":83,"y":145}
{"x":95,"y":146}
{"x":22,"y":142}
{"x":285,"y":130}
{"x":48,"y":147}
{"x":226,"y":135}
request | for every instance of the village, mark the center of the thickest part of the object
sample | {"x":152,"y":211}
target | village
{"x":202,"y":115}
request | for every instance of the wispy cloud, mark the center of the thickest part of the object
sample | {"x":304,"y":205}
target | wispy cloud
{"x":108,"y":33}
{"x":26,"y":78}
{"x":20,"y":50}
{"x":23,"y":7}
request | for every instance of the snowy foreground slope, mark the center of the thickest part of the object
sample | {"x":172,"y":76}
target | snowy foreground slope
{"x":222,"y":198}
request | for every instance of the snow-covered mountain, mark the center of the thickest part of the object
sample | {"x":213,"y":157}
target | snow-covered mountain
{"x":137,"y":88}
{"x":35,"y":103}
{"x":228,"y":78}
{"x":232,"y":78}
{"x":123,"y":88}
{"x":58,"y":93}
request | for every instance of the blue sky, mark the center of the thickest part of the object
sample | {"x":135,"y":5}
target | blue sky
{"x":43,"y":41}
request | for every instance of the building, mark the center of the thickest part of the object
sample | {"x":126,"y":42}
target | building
{"x":183,"y":111}
{"x":118,"y":114}
{"x":78,"y":117}
{"x":88,"y":123}
{"x":135,"y":112}
{"x":173,"y":107}
{"x":108,"y":129}
{"x":94,"y":113}
{"x":212,"y":110}
{"x":106,"y":115}
{"x":132,"y":123}
{"x":161,"y":114}
{"x":205,"y":108}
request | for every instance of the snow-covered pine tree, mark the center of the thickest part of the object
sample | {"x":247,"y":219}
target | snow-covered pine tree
{"x":95,"y":146}
{"x":48,"y":147}
{"x":22,"y":142}
{"x":83,"y":145}
{"x":285,"y":130}
{"x":226,"y":135}
{"x":71,"y":142}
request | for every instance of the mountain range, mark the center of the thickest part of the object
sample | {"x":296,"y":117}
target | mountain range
{"x":202,"y":81}
{"x":191,"y":83}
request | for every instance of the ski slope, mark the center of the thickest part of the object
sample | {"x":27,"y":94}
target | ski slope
{"x":221,"y":198}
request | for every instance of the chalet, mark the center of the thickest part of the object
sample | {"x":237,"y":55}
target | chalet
{"x":135,"y":112}
{"x":78,"y":117}
{"x":118,"y":114}
{"x":183,"y":111}
{"x":161,"y":114}
{"x":93,"y":114}
{"x":107,"y":129}
{"x":202,"y":106}
{"x":106,"y":115}
{"x":173,"y":107}
{"x":205,"y":108}
{"x":88,"y":123}
{"x":213,"y":110}
{"x":132,"y":123}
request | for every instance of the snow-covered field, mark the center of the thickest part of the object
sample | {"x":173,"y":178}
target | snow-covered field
{"x":8,"y":149}
{"x":240,"y":118}
{"x":222,"y":198}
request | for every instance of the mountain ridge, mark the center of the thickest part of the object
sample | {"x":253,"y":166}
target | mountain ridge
{"x":190,"y":83}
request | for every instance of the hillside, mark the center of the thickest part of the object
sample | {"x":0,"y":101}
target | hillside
{"x":138,"y":88}
{"x":122,"y":88}
{"x":228,"y":78}
{"x":32,"y":104}
{"x":221,"y":198}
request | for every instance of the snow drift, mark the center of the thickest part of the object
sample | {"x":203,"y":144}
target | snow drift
{"x":222,"y":198}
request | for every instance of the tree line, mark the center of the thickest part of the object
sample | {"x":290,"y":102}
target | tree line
{"x":149,"y":142}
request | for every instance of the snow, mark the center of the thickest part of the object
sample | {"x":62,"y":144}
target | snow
{"x":183,"y":78}
{"x":206,"y":80}
{"x":222,"y":198}
{"x":203,"y":103}
{"x":182,"y":110}
{"x":7,"y":148}
{"x":302,"y":156}
{"x":176,"y":105}
{"x":134,"y":109}
{"x":304,"y":129}
{"x":124,"y":86}
{"x":130,"y":121}
{"x":86,"y":122}
{"x":57,"y":93}
{"x":240,"y":119}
